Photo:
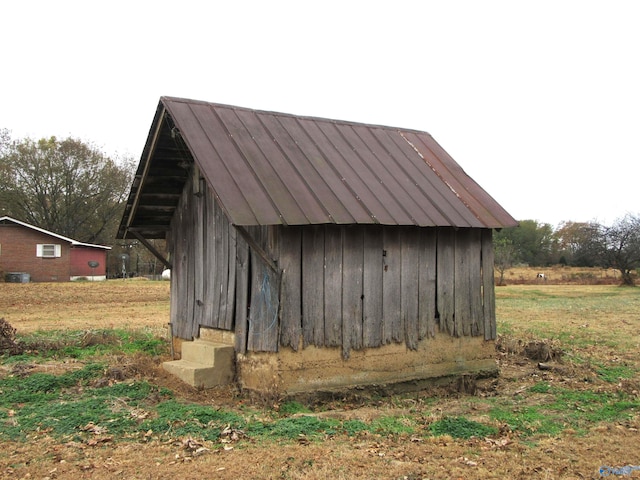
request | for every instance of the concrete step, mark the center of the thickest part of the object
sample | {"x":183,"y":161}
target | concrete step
{"x":206,"y":352}
{"x":204,"y":364}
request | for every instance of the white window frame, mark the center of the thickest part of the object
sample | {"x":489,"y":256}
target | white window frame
{"x":48,"y":250}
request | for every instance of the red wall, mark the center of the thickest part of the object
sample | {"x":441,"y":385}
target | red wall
{"x":18,"y":254}
{"x":80,"y":257}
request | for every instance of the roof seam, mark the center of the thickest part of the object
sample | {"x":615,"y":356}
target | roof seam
{"x":344,"y":180}
{"x":465,"y":203}
{"x":294,"y":165}
{"x":428,"y":180}
{"x":224,"y":126}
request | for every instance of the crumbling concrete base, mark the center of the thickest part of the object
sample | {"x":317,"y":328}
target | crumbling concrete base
{"x":314,"y":369}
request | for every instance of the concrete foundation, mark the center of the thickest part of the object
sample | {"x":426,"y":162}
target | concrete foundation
{"x":211,"y":360}
{"x":324,"y":369}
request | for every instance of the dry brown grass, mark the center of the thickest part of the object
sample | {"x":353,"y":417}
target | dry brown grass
{"x":559,"y":315}
{"x":85,"y":305}
{"x":560,"y":275}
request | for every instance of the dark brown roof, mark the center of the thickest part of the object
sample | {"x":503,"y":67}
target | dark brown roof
{"x":271,"y":168}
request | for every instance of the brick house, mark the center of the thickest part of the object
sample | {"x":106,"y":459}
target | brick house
{"x":45,"y":256}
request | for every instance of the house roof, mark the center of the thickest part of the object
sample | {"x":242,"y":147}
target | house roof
{"x":269,"y":168}
{"x":74,"y":243}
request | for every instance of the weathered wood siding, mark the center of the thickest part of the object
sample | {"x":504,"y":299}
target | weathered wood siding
{"x":205,"y":265}
{"x":351,"y":286}
{"x":218,"y":281}
{"x":365,"y":286}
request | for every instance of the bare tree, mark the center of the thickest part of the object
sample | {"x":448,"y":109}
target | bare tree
{"x":66,"y":186}
{"x":622,"y":247}
{"x":505,"y":253}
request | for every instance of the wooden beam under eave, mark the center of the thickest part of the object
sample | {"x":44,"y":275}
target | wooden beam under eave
{"x":151,"y":248}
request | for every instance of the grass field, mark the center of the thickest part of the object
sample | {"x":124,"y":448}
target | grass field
{"x":84,"y":397}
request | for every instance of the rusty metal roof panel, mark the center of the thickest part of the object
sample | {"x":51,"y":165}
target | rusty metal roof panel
{"x":269,"y":168}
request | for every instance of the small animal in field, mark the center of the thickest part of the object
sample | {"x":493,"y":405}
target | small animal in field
{"x":541,"y":277}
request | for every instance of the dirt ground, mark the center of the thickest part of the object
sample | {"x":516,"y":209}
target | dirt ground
{"x":30,"y":307}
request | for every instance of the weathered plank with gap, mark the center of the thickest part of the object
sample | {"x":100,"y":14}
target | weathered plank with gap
{"x":392,"y":258}
{"x":352,"y":293}
{"x":290,"y":261}
{"x":372,"y":287}
{"x":208,"y":253}
{"x":313,"y":286}
{"x":263,"y":314}
{"x":462,"y":290}
{"x":218,"y":261}
{"x":242,"y":295}
{"x":198,"y":264}
{"x":427,"y":283}
{"x":475,"y":284}
{"x":445,"y":286}
{"x":409,"y":321}
{"x":231,"y":278}
{"x":488,"y":285}
{"x":333,"y":286}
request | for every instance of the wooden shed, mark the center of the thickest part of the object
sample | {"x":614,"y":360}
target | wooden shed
{"x":322,"y":253}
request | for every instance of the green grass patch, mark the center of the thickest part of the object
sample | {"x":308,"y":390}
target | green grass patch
{"x":65,"y":404}
{"x":84,"y":344}
{"x":615,"y":373}
{"x":175,"y":418}
{"x":528,"y":420}
{"x":540,"y":387}
{"x":294,"y":427}
{"x":393,"y":425}
{"x":460,"y":427}
{"x":564,"y":408}
{"x":44,"y":386}
{"x":293,"y":407}
{"x":584,"y":407}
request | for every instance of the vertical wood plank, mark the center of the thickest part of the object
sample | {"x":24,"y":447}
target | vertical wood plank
{"x":333,"y":238}
{"x":217,"y":271}
{"x":475,"y":283}
{"x":313,"y":286}
{"x":208,"y":259}
{"x":372,"y":287}
{"x":445,"y":286}
{"x":223,"y":270}
{"x":409,"y":285}
{"x":189,"y":283}
{"x":263,"y":314}
{"x":198,"y":274}
{"x":177,"y":299}
{"x":242,"y":295}
{"x":231,"y":280}
{"x":462,"y":290}
{"x":290,"y":261}
{"x":488,"y":285}
{"x":352,"y":293}
{"x":392,"y":260}
{"x":427,"y":282}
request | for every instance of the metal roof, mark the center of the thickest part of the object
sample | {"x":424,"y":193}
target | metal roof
{"x":269,"y":168}
{"x":74,"y":243}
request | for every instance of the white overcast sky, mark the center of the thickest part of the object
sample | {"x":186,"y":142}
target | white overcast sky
{"x":539,"y":101}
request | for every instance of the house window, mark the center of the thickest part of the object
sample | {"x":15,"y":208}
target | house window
{"x":48,"y":250}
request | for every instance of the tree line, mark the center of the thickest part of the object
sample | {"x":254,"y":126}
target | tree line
{"x":578,"y":244}
{"x":70,"y":187}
